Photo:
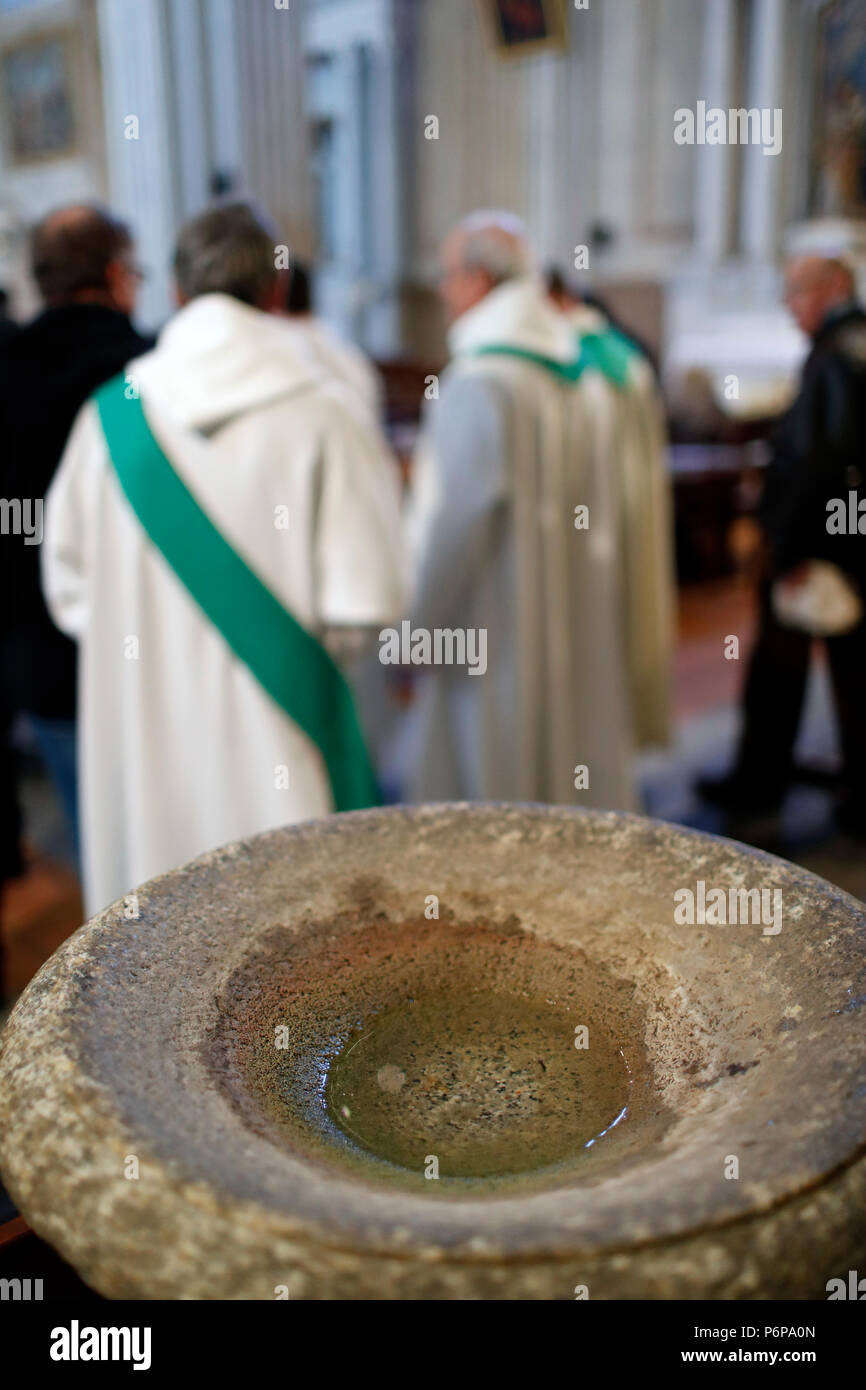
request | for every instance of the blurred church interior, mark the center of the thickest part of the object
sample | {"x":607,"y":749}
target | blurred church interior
{"x":321,"y":109}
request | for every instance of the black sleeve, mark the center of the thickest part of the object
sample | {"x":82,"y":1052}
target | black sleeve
{"x":798,"y":479}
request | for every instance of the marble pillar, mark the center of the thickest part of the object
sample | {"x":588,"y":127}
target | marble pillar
{"x":763,"y":174}
{"x":715,"y":186}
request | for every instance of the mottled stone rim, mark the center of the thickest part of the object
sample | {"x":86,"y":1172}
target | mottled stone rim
{"x":84,"y":949}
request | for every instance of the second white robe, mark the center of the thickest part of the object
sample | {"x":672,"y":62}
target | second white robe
{"x":507,"y":455}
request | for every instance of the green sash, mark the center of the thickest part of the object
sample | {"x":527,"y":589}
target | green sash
{"x":287,"y":661}
{"x":608,"y":352}
{"x":567,"y":371}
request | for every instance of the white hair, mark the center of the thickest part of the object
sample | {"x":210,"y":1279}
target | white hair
{"x":497,"y":242}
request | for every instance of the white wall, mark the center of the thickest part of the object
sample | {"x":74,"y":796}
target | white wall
{"x":564,"y":140}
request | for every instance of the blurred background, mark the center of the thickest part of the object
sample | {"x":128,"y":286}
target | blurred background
{"x":368,"y":128}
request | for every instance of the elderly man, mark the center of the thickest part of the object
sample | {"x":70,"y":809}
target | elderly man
{"x":216,"y":516}
{"x":816,"y":474}
{"x":515,"y":531}
{"x":83,"y":262}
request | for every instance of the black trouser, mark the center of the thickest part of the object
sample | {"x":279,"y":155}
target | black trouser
{"x":773,"y":703}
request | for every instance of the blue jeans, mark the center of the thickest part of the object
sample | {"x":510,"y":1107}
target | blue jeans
{"x":56,"y":740}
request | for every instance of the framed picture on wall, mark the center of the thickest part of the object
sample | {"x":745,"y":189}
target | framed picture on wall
{"x":37,"y":94}
{"x":520,"y":28}
{"x":839,"y":160}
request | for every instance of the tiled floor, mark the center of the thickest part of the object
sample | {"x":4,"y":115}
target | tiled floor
{"x":41,"y":909}
{"x":707,"y":687}
{"x":708,"y":615}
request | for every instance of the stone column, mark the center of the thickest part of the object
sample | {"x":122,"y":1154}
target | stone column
{"x":762,"y":174}
{"x":620,"y":126}
{"x":268,"y":59}
{"x":369,"y":50}
{"x":221,"y":40}
{"x":140,"y":139}
{"x":716,"y":164}
{"x":187,"y":31}
{"x":555,"y":159}
{"x":395,"y":126}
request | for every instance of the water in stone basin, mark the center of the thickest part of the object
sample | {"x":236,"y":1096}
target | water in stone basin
{"x":375,"y":1049}
{"x":463,"y":1085}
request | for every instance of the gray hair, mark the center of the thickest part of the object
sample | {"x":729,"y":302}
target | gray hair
{"x":497,"y":242}
{"x":230,"y":248}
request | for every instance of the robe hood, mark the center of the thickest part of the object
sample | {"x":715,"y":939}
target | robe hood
{"x":516,"y":314}
{"x":218,"y":358}
{"x":584,"y":319}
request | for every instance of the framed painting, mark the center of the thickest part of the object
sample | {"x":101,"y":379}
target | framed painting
{"x":38,"y":99}
{"x":520,"y":28}
{"x":839,"y":152}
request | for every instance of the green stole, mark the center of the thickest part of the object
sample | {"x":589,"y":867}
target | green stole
{"x":609,"y":352}
{"x":287,"y":660}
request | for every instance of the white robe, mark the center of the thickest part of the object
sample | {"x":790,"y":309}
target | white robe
{"x":506,"y":455}
{"x":339,"y":359}
{"x":647,"y":538}
{"x":180,"y":748}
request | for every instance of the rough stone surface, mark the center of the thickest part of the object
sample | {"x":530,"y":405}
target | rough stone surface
{"x":152,"y":1038}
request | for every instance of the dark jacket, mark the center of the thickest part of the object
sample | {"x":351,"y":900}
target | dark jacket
{"x":819,"y":453}
{"x":47,"y":372}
